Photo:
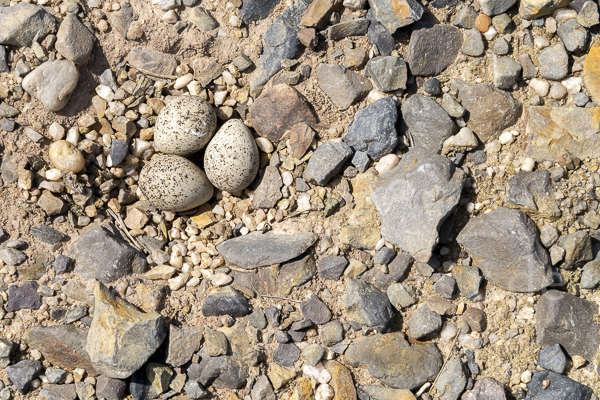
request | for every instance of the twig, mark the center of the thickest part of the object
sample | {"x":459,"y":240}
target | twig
{"x":121,"y":227}
{"x":295,"y":213}
{"x":444,"y":365}
{"x":273,"y":297}
{"x":146,"y":72}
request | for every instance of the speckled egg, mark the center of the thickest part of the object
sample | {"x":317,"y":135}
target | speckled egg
{"x":174,"y":183}
{"x":184,"y":126}
{"x":231,"y":157}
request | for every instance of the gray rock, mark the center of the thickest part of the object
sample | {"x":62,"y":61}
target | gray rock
{"x":392,"y":360}
{"x":404,"y":199}
{"x":573,"y":35}
{"x":215,"y":342}
{"x":268,"y":192}
{"x":590,"y":276}
{"x":23,"y":297}
{"x":151,"y":61}
{"x":286,"y":354}
{"x":532,"y":9}
{"x":568,"y":320}
{"x":366,"y":304}
{"x":22,"y":373}
{"x":554,"y":62}
{"x":578,"y":249}
{"x":223,"y":372}
{"x":491,"y":110}
{"x":9,"y":125}
{"x":7,"y":111}
{"x":6,"y":348}
{"x":63,"y":264}
{"x":501,"y":47}
{"x":389,"y":73}
{"x":262,"y":389}
{"x":102,"y":253}
{"x":342,"y":86}
{"x":468,"y":280}
{"x":326,"y":162}
{"x":580,"y":99}
{"x":432,"y":87}
{"x":397,"y":270}
{"x":529,"y":69}
{"x":257,"y":319}
{"x":12,"y":256}
{"x":118,"y":151}
{"x":280,"y":42}
{"x":401,"y":295}
{"x":183,"y":343}
{"x":74,"y":40}
{"x":465,"y":17}
{"x":121,"y":20}
{"x":20,"y":25}
{"x":385,"y":255}
{"x":255,"y":10}
{"x":52,"y":83}
{"x":452,"y":107}
{"x":424,"y":324}
{"x":427,"y":122}
{"x":226,"y":301}
{"x":203,"y":20}
{"x":313,"y":353}
{"x":485,"y":389}
{"x":47,"y":234}
{"x":532,"y":193}
{"x":281,"y":337}
{"x":508,"y":250}
{"x":59,"y":392}
{"x":257,"y":249}
{"x":110,"y":388}
{"x":452,"y":380}
{"x":553,"y":358}
{"x":315,"y":310}
{"x":374,"y":129}
{"x":445,"y":286}
{"x":3,"y":60}
{"x":355,"y":27}
{"x":380,"y":36}
{"x":433,"y":49}
{"x":506,"y":72}
{"x":121,"y":338}
{"x":394,"y":14}
{"x":548,"y":235}
{"x":559,"y":387}
{"x":331,"y":333}
{"x":361,"y":161}
{"x":495,"y":7}
{"x":195,"y":390}
{"x":54,"y":374}
{"x":588,"y":16}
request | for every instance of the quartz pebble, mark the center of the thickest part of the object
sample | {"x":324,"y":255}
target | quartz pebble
{"x":66,"y":157}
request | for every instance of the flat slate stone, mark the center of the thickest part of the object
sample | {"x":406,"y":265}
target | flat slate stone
{"x":151,"y":61}
{"x":506,"y":247}
{"x":332,"y":267}
{"x":257,"y":249}
{"x":58,"y":392}
{"x":47,"y":234}
{"x":24,"y":296}
{"x":367,"y":305}
{"x":548,"y":385}
{"x":226,"y":301}
{"x":22,"y":373}
{"x":553,"y":358}
{"x":432,"y":49}
{"x":21,"y":24}
{"x":183,"y":343}
{"x":394,"y":14}
{"x":568,"y":320}
{"x":532,"y":193}
{"x":326,"y":162}
{"x":342,"y":86}
{"x":355,"y":27}
{"x":255,"y":10}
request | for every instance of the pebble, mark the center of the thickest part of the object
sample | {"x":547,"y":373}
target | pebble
{"x":367,"y":305}
{"x":554,"y":62}
{"x":226,"y":301}
{"x":184,"y":126}
{"x":573,"y":35}
{"x":52,"y":83}
{"x":389,"y":73}
{"x":553,"y":358}
{"x":424,"y":323}
{"x":387,"y":163}
{"x":343,"y":87}
{"x":506,"y":72}
{"x":428,"y":124}
{"x":326,"y":162}
{"x":23,"y":373}
{"x":173,"y":183}
{"x":23,"y":23}
{"x":550,"y":385}
{"x":74,"y":41}
{"x":66,"y":157}
{"x":432,"y":50}
{"x":486,"y":389}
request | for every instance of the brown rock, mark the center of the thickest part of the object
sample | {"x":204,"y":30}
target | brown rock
{"x":183,"y":343}
{"x":308,"y":37}
{"x":301,"y":136}
{"x":268,"y":192}
{"x":318,"y":13}
{"x":476,"y":319}
{"x":441,"y":306}
{"x":483,"y":22}
{"x":206,"y":69}
{"x":360,"y":237}
{"x":341,"y":381}
{"x":50,"y":204}
{"x":591,"y":72}
{"x":156,"y":104}
{"x":151,"y":61}
{"x":136,"y":218}
{"x":303,"y":390}
{"x":278,"y":109}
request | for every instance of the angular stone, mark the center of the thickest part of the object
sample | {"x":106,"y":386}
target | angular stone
{"x":110,"y":389}
{"x":342,"y":86}
{"x":364,"y":237}
{"x":326,"y":162}
{"x":23,"y":297}
{"x":389,"y":73}
{"x":578,"y":249}
{"x":22,"y":373}
{"x":226,"y":301}
{"x":383,"y":393}
{"x":452,"y":380}
{"x":315,"y":310}
{"x":424,"y":324}
{"x":506,"y":72}
{"x":52,"y":83}
{"x":506,"y":247}
{"x":23,"y":23}
{"x":12,"y":256}
{"x":367,"y":305}
{"x":392,"y":360}
{"x":47,"y":234}
{"x":286,"y":354}
{"x":573,"y":35}
{"x":394,"y":14}
{"x":121,"y":20}
{"x":255,"y":10}
{"x":485,"y":389}
{"x":433,"y":49}
{"x":183,"y":343}
{"x":121,"y":338}
{"x":59,"y":392}
{"x":318,"y":12}
{"x":491,"y":110}
{"x":568,"y":320}
{"x":553,"y":358}
{"x":532,"y":193}
{"x":355,"y":27}
{"x":468,"y":280}
{"x":554,"y":62}
{"x":401,"y":295}
{"x":405,"y":198}
{"x":532,"y":9}
{"x":258,"y":249}
{"x":203,"y":20}
{"x":590,"y":276}
{"x":332,"y":267}
{"x":223,"y":372}
{"x":277,"y":110}
{"x":554,"y":132}
{"x":104,"y":254}
{"x":151,"y":61}
{"x":268,"y":192}
{"x":74,"y":40}
{"x":301,"y":138}
{"x":341,"y":381}
{"x":548,"y":385}
{"x":62,"y":345}
{"x":473,"y":43}
{"x":397,"y":270}
{"x":591,"y":72}
{"x":215,"y":342}
{"x":495,"y":7}
{"x":428,"y":124}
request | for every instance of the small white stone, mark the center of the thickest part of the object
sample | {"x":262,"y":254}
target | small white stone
{"x":562,"y":15}
{"x":194,"y":87}
{"x":105,"y":93}
{"x":178,"y":282}
{"x":528,"y":164}
{"x":53,"y":174}
{"x":303,"y":202}
{"x":264,"y":145}
{"x":506,"y":137}
{"x":170,"y":17}
{"x":35,"y":354}
{"x":449,"y":331}
{"x":387,"y":163}
{"x":526,"y":377}
{"x":490,"y":33}
{"x":288,"y":178}
{"x":540,"y":86}
{"x":244,"y":231}
{"x":541,"y":42}
{"x":573,"y":84}
{"x":550,"y":25}
{"x":324,"y":392}
{"x":56,"y":131}
{"x":220,"y":97}
{"x":493,"y":147}
{"x":465,"y":139}
{"x":234,"y":20}
{"x":182,"y":81}
{"x":195,"y":281}
{"x":220,"y":279}
{"x":375,"y":95}
{"x":73,"y":136}
{"x":380,"y":244}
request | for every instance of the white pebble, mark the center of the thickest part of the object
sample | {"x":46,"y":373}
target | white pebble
{"x":53,"y":174}
{"x":387,"y":163}
{"x":573,"y":84}
{"x":324,"y":392}
{"x":526,"y":377}
{"x":541,"y":42}
{"x":562,"y":15}
{"x":287,"y":177}
{"x":490,"y":33}
{"x":170,"y":17}
{"x":244,"y":231}
{"x":264,"y":145}
{"x":56,"y":131}
{"x":506,"y":138}
{"x":36,"y":355}
{"x":380,"y":244}
{"x":540,"y":86}
{"x":105,"y":93}
{"x":194,"y":88}
{"x":178,"y":282}
{"x":493,"y":147}
{"x":528,"y":164}
{"x":550,"y":25}
{"x":220,"y":97}
{"x":195,"y":281}
{"x":73,"y":136}
{"x":183,"y":81}
{"x":220,"y":279}
{"x":234,"y":20}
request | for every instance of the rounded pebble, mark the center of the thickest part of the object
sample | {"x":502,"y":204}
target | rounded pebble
{"x":174,"y":183}
{"x":387,"y":163}
{"x":231,"y":157}
{"x":184,"y":126}
{"x":66,"y":157}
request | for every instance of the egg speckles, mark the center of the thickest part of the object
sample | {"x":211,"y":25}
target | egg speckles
{"x":174,"y":183}
{"x":184,"y":126}
{"x":231,"y":157}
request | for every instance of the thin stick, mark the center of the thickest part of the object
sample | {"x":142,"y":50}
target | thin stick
{"x":444,"y":365}
{"x":273,"y":297}
{"x":120,"y":225}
